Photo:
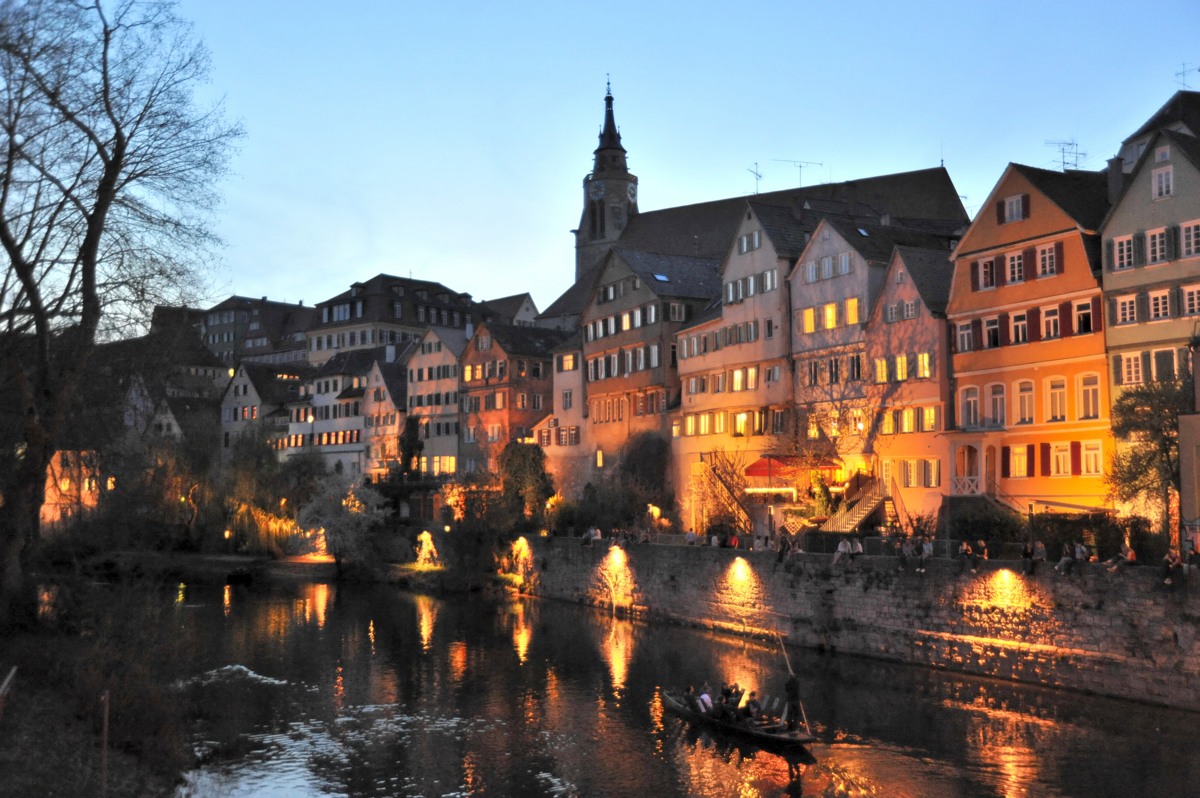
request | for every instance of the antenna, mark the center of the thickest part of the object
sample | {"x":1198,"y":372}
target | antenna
{"x":757,"y":176}
{"x":1067,"y":150}
{"x":799,"y":168}
{"x":1181,"y":75}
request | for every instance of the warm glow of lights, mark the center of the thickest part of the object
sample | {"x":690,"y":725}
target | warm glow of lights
{"x":457,"y":654}
{"x":616,"y":582}
{"x":522,"y":632}
{"x":427,"y":554}
{"x":780,"y":491}
{"x":339,"y":689}
{"x":618,"y":651}
{"x":655,"y":512}
{"x":228,"y":534}
{"x":47,"y":602}
{"x":427,"y":612}
{"x":1002,"y":589}
{"x":371,"y":634}
{"x":521,"y":560}
{"x":739,"y":599}
{"x":180,"y":593}
{"x":315,"y":603}
{"x":227,"y":600}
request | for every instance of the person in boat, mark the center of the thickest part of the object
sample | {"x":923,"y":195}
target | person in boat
{"x":705,"y":700}
{"x":791,"y":689}
{"x":690,"y":700}
{"x":753,"y":709}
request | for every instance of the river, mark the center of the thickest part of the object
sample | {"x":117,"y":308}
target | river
{"x":319,"y":690}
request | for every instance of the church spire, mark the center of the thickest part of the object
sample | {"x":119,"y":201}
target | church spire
{"x":610,"y":139}
{"x":609,"y":195}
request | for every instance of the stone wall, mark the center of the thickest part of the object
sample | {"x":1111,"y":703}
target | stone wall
{"x":1125,"y":634}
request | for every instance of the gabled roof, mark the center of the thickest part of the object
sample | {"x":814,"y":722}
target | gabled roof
{"x":1081,"y":195}
{"x":268,"y":385}
{"x":195,"y":417}
{"x":931,"y":270}
{"x":452,"y":338}
{"x":875,"y":241}
{"x":712,"y":311}
{"x":572,"y":301}
{"x":509,"y":306}
{"x":681,"y":276}
{"x":788,"y":234}
{"x":572,"y":343}
{"x":355,"y":361}
{"x":1183,"y":108}
{"x":525,"y":341}
{"x":395,"y":379}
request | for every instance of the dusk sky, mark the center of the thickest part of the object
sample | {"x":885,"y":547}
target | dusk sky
{"x":448,"y":141}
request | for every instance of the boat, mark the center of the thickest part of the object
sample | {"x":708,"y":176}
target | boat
{"x":769,"y":734}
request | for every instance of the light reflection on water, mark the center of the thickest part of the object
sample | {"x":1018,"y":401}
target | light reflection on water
{"x":373,"y":692}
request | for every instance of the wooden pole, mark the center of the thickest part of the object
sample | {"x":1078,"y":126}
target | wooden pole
{"x":104,"y":746}
{"x":6,"y":687}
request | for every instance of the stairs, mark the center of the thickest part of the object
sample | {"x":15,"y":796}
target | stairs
{"x":854,"y":512}
{"x":733,"y":500}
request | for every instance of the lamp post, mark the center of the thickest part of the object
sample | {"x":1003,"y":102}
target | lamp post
{"x":312,"y":435}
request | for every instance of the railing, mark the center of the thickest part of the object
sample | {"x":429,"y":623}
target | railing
{"x":902,"y":515}
{"x":850,"y":515}
{"x":743,"y":515}
{"x":967,"y":486}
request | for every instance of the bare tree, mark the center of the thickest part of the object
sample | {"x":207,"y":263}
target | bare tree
{"x":109,"y":172}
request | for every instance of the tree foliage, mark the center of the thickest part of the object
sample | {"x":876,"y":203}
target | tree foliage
{"x":349,"y":514}
{"x":524,"y":484}
{"x":1146,"y":465}
{"x":109,"y":171}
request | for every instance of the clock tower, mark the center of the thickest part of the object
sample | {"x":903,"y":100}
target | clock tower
{"x":609,"y":196}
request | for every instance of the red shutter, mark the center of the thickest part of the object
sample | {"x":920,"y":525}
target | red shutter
{"x":1004,"y":331}
{"x":1097,"y":314}
{"x":1000,"y":212}
{"x":974,"y":275}
{"x":1004,"y":457}
{"x":1029,"y":461}
{"x":1066,"y":320}
{"x":1024,"y":206}
{"x":1035,"y":323}
{"x":977,"y":334}
{"x":1060,"y":265}
{"x":1076,"y":459}
{"x":1031,"y":264}
{"x":1045,"y":458}
{"x":1000,"y":265}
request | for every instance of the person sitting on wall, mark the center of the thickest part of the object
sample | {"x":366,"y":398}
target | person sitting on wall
{"x":908,"y":550}
{"x":1124,"y":558}
{"x":705,"y":700}
{"x":980,"y":553}
{"x":1067,"y":561}
{"x":964,"y":556}
{"x":1172,"y":565}
{"x":843,"y":548}
{"x":1082,"y":554}
{"x":926,"y":554}
{"x":856,"y":549}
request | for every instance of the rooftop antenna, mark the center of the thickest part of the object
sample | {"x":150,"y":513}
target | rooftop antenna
{"x":756,"y":174}
{"x":1068,"y":150}
{"x":1181,"y":75}
{"x":799,"y":168}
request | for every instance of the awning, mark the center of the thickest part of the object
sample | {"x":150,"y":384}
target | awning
{"x":776,"y":465}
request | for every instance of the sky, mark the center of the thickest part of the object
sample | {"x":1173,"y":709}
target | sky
{"x":449,"y":140}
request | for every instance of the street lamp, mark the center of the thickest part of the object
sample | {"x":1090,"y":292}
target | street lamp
{"x":312,"y":435}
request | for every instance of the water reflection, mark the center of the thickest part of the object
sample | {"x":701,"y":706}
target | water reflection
{"x":370,"y":691}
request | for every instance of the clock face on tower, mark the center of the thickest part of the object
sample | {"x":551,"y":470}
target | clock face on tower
{"x":631,"y":190}
{"x":596,"y":189}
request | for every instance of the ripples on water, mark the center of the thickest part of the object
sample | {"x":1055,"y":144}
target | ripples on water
{"x":313,"y":690}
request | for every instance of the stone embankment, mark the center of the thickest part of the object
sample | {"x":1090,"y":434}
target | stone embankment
{"x":1123,"y":634}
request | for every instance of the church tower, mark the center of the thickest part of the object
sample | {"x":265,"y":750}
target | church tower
{"x":609,"y":196}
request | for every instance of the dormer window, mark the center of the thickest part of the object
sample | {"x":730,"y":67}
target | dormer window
{"x":1014,"y":208}
{"x":1162,"y":154}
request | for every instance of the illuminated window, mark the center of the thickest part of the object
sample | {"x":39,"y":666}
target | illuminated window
{"x":881,"y":369}
{"x":626,"y":321}
{"x":901,"y":368}
{"x":689,"y":425}
{"x":924,"y":366}
{"x":751,"y":378}
{"x":929,"y":418}
{"x":1018,"y":461}
{"x":1025,"y":402}
{"x":809,"y":323}
{"x":852,"y":310}
{"x":907,"y":419}
{"x":814,"y":429}
{"x":830,"y":315}
{"x":739,"y":377}
{"x":1060,"y":460}
{"x":887,"y":422}
{"x":835,"y":428}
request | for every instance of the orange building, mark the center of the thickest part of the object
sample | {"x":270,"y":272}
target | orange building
{"x":1031,"y":427}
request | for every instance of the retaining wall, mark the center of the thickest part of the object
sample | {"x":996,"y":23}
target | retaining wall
{"x":1125,"y":634}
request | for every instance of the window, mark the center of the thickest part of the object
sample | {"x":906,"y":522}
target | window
{"x":929,"y":418}
{"x":1083,"y":317}
{"x":568,"y":399}
{"x":907,"y":419}
{"x":881,"y":369}
{"x":924,"y":366}
{"x":1025,"y":402}
{"x":1191,"y":300}
{"x":854,"y":368}
{"x":1016,"y":268}
{"x":852,"y":310}
{"x":996,"y":405}
{"x":810,"y":271}
{"x":1093,"y":459}
{"x":1156,"y":246}
{"x":965,"y":337}
{"x":1018,"y":461}
{"x":1160,"y":307}
{"x":890,"y":314}
{"x":1089,"y":396}
{"x":901,"y":368}
{"x":1060,"y":460}
{"x":834,"y":366}
{"x":1057,"y":410}
{"x":1123,"y":253}
{"x":830,"y":315}
{"x":1126,"y":310}
{"x":809,"y":323}
{"x":826,"y":267}
{"x":1049,"y":322}
{"x":987,"y":274}
{"x":1020,"y":328}
{"x":1131,"y":369}
{"x":1047,"y":262}
{"x":1014,"y":208}
{"x":1190,"y":233}
{"x":887,"y":423}
{"x":843,"y":263}
{"x":910,"y":309}
{"x":813,"y":429}
{"x":1160,"y":183}
{"x":970,"y":407}
{"x":1163,"y":363}
{"x":991,"y":333}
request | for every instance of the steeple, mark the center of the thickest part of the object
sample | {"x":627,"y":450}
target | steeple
{"x":609,"y":195}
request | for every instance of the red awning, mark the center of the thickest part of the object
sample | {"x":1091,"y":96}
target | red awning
{"x":776,"y":465}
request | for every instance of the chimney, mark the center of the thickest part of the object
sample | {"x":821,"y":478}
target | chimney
{"x":1116,"y":179}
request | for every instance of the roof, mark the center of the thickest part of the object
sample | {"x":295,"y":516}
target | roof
{"x":355,"y":361}
{"x":572,"y":301}
{"x":875,"y":241}
{"x":674,"y":275}
{"x":1081,"y":195}
{"x":930,"y":270}
{"x":268,"y":385}
{"x":1183,"y":108}
{"x":509,"y":306}
{"x":526,"y":341}
{"x":395,"y":379}
{"x":452,"y":338}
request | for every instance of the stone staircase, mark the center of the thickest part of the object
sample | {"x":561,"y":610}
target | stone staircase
{"x":856,"y":509}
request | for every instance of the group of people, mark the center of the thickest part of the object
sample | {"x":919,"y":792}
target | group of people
{"x":915,"y":548}
{"x":619,"y":537}
{"x":725,"y":704}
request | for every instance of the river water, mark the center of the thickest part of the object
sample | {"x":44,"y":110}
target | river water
{"x":322,"y":690}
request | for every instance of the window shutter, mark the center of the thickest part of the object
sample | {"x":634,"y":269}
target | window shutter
{"x":1076,"y":459}
{"x":1000,"y":212}
{"x":1044,"y":456}
{"x":1024,"y":206}
{"x":1004,"y":460}
{"x":1031,"y":263}
{"x":974,"y":275}
{"x":1060,"y":264}
{"x":1097,"y":314}
{"x":1116,"y":370}
{"x":1004,"y":330}
{"x":1034,"y":315}
{"x":1164,"y":365}
{"x":1143,"y":306}
{"x":1066,"y":319}
{"x":1139,"y":248}
{"x":1108,"y":255}
{"x":1000,"y":267}
{"x":976,"y":333}
{"x":1145,"y":367}
{"x":1185,"y":360}
{"x":1173,"y":302}
{"x":1029,"y":460}
{"x":1112,"y":312}
{"x":1173,"y":242}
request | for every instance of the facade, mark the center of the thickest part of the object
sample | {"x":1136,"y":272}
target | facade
{"x":1031,"y":429}
{"x":560,"y":433}
{"x":433,"y":398}
{"x":258,"y":400}
{"x":907,"y":344}
{"x":384,"y":410}
{"x":241,"y":328}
